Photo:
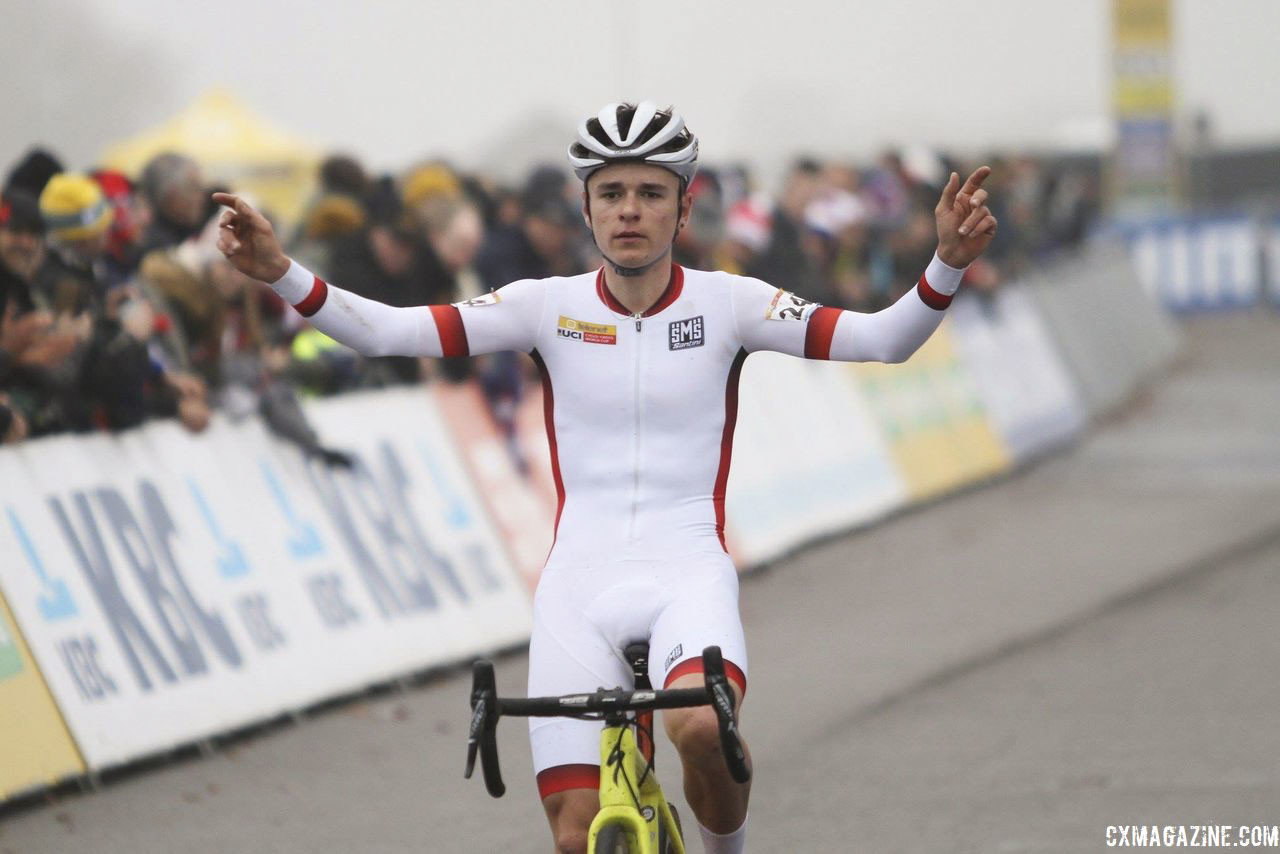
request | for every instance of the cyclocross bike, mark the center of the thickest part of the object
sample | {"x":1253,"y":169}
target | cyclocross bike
{"x":634,"y":817}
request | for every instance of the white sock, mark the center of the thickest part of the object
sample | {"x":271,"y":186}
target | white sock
{"x":724,"y":843}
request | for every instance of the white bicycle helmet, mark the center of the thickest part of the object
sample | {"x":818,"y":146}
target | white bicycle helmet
{"x":642,"y":133}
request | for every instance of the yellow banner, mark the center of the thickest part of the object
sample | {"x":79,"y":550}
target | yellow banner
{"x":1142,"y":97}
{"x":935,"y":425}
{"x":1139,"y":24}
{"x":1142,"y":57}
{"x":36,"y":749}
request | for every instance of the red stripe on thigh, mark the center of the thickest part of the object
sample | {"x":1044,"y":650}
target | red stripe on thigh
{"x":560,"y":778}
{"x":694,"y":665}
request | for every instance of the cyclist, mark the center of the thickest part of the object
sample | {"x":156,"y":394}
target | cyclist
{"x":640,"y":363}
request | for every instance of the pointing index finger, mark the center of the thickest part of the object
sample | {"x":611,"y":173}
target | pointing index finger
{"x":227,"y":199}
{"x":975,"y":180}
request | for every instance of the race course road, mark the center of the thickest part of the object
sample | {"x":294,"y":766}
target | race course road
{"x":1091,"y":642}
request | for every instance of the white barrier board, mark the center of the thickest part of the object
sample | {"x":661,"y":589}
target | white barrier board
{"x":808,"y":460}
{"x":1198,"y":263}
{"x":1271,"y":238}
{"x":1022,"y":382}
{"x":173,"y":586}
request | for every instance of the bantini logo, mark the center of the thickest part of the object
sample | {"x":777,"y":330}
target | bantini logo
{"x":683,"y":334}
{"x":592,"y":333}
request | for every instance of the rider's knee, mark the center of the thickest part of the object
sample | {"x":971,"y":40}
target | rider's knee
{"x":694,"y":732}
{"x":570,"y":813}
{"x":571,"y":840}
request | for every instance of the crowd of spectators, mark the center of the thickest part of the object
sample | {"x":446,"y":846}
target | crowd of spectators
{"x":116,"y":307}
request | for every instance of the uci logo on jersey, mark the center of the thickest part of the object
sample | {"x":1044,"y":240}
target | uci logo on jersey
{"x":592,"y":333}
{"x":683,"y":334}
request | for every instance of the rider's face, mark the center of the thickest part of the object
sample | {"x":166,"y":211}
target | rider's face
{"x":633,"y":210}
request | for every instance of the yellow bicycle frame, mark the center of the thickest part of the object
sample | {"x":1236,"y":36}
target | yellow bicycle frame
{"x":622,"y":765}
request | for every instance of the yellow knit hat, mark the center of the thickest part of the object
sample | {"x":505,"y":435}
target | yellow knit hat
{"x":428,"y":181}
{"x":74,"y":208}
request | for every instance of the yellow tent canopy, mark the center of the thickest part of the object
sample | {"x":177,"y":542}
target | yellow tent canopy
{"x":234,"y":147}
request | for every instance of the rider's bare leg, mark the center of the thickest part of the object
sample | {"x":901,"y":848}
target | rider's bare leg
{"x":570,"y":813}
{"x":718,"y":803}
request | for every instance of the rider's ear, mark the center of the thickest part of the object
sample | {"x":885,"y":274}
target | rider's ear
{"x":686,"y":207}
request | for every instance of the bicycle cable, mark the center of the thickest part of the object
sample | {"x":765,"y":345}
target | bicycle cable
{"x":619,"y":770}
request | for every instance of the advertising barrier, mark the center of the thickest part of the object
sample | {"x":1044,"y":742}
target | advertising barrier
{"x":1271,"y":241}
{"x":35,"y":748}
{"x":173,"y":586}
{"x":524,"y":517}
{"x":1194,"y":264}
{"x":1025,"y":388}
{"x":1109,"y":331}
{"x":808,"y":459}
{"x":933,"y":419}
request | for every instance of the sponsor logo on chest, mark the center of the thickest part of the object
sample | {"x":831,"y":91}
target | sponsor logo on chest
{"x":683,"y":334}
{"x":591,"y":333}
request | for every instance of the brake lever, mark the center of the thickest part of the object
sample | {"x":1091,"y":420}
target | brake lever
{"x":484,"y":723}
{"x":479,"y":709}
{"x":735,"y":756}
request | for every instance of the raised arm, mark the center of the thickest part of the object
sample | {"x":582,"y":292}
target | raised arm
{"x":491,"y":323}
{"x":773,"y":319}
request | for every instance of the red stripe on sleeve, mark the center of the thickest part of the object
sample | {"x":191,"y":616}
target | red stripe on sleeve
{"x":453,"y":335}
{"x":817,"y":336}
{"x":694,"y":665}
{"x":315,"y":299}
{"x":558,"y":778}
{"x":932,"y":298}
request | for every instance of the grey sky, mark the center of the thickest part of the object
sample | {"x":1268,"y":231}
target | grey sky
{"x":493,"y":83}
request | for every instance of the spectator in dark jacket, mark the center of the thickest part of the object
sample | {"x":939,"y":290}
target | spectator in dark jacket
{"x":37,"y":369}
{"x":390,"y":261}
{"x":174,"y":187}
{"x":119,"y":382}
{"x":787,"y":259}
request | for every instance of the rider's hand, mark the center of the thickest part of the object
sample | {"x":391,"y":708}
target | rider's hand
{"x":965,"y":223}
{"x":248,"y":241}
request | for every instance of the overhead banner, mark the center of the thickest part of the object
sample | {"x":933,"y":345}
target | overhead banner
{"x":1144,"y":163}
{"x":1024,"y":386}
{"x":933,"y":419}
{"x":35,"y":748}
{"x":173,"y":586}
{"x":808,"y":460}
